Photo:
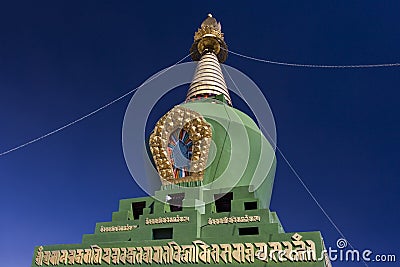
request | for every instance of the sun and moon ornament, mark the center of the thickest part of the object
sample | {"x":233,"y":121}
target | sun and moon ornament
{"x":209,"y":38}
{"x":180,"y":144}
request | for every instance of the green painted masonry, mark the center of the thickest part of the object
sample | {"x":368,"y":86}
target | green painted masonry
{"x":198,"y":228}
{"x":203,"y":221}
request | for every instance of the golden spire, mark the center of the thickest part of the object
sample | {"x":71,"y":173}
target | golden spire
{"x":210,"y":49}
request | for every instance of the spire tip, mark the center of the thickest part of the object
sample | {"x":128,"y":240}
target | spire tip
{"x":209,"y":38}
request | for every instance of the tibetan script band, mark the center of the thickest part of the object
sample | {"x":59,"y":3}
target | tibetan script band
{"x":198,"y":252}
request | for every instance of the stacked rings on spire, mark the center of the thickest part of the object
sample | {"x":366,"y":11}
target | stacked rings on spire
{"x":208,"y":79}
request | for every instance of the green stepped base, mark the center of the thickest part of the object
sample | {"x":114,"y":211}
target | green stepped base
{"x":231,"y":231}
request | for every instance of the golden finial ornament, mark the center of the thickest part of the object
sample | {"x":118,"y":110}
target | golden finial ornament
{"x":209,"y":38}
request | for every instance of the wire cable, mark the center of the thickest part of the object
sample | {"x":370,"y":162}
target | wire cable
{"x":91,"y":113}
{"x":232,"y":52}
{"x":316,"y":65}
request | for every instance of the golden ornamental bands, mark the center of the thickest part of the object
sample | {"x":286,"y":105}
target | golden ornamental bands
{"x":234,"y":219}
{"x":197,"y":252}
{"x":117,"y":228}
{"x":161,"y":220}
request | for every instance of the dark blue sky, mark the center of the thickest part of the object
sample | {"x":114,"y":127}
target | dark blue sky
{"x":339,"y":128}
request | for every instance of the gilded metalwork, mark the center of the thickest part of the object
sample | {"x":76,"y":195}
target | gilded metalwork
{"x":209,"y":38}
{"x":210,"y":49}
{"x":162,"y":220}
{"x":199,"y":132}
{"x":117,"y":228}
{"x":197,"y":252}
{"x":208,"y":79}
{"x":235,"y":219}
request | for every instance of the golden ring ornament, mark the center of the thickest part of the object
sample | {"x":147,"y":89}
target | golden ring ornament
{"x":200,"y":133}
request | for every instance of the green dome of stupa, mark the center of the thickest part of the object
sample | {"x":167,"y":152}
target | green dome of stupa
{"x":241,"y":155}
